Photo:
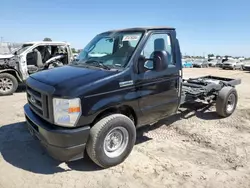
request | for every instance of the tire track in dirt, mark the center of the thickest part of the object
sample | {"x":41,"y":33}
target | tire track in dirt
{"x":233,"y":156}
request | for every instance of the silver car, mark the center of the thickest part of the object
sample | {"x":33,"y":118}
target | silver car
{"x":232,"y":64}
{"x":200,"y":63}
{"x":246,"y":65}
{"x":212,"y":63}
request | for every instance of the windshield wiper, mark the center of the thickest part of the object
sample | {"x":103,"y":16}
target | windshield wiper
{"x":97,"y":64}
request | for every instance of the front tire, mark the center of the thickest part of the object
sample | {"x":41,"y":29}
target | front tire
{"x":8,"y":84}
{"x":226,"y":101}
{"x":111,"y":140}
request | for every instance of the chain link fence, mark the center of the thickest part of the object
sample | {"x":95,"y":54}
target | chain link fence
{"x":8,"y":47}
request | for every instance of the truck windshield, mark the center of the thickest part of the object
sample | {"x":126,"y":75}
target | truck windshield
{"x":23,"y":48}
{"x":112,"y":50}
{"x":230,"y":61}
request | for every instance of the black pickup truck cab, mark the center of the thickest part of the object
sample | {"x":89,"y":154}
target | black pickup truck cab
{"x":122,"y":80}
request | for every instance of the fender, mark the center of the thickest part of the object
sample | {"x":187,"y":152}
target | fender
{"x":17,"y":74}
{"x":99,"y":104}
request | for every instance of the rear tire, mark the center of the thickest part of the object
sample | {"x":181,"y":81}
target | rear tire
{"x":111,"y":140}
{"x":226,"y":101}
{"x":8,"y":84}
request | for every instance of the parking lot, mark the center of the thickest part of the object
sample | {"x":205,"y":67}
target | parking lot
{"x":194,"y":148}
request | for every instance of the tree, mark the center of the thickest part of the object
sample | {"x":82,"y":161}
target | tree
{"x":73,"y":50}
{"x":210,"y":55}
{"x":47,"y":39}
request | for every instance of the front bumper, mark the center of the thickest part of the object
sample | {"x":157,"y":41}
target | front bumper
{"x":228,"y":66}
{"x":62,"y":144}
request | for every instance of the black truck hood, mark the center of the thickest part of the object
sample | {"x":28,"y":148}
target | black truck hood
{"x":69,"y":75}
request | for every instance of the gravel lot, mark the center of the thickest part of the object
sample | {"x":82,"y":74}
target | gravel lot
{"x":193,"y":148}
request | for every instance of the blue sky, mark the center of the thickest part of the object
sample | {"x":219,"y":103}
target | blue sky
{"x":219,"y":27}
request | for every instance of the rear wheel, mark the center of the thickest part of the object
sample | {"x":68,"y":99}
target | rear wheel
{"x":8,"y":84}
{"x":226,"y":101}
{"x":111,"y":140}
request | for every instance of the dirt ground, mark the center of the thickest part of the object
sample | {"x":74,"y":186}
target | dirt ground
{"x":194,"y":148}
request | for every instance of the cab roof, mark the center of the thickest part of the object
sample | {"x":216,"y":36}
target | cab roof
{"x":141,"y":29}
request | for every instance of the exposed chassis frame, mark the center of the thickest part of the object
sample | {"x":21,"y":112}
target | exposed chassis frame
{"x":205,"y":88}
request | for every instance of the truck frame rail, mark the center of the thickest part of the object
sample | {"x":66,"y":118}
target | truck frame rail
{"x":205,"y":88}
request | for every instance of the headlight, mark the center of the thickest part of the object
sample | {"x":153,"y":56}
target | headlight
{"x":66,"y":111}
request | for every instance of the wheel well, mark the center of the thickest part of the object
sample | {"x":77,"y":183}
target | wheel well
{"x":13,"y":73}
{"x":125,"y":110}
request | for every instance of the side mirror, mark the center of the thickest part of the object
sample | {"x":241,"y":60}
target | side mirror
{"x":161,"y":60}
{"x":149,"y":65}
{"x":158,"y":62}
{"x":145,"y":63}
{"x":142,"y":64}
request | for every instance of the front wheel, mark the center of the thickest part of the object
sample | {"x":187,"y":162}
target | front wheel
{"x":226,"y":101}
{"x":111,"y":140}
{"x":8,"y":84}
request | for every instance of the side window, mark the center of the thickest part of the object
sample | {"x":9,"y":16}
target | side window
{"x":48,"y":49}
{"x":160,"y":41}
{"x":45,"y":52}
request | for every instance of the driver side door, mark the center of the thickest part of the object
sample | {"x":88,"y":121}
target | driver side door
{"x":158,"y":90}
